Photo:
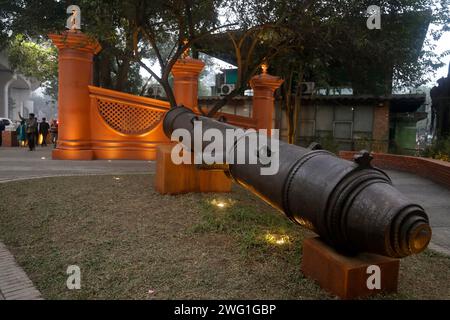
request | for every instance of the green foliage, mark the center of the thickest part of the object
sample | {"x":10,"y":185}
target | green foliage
{"x":34,"y":60}
{"x":328,"y":143}
{"x":132,"y":33}
{"x":364,"y":143}
{"x":328,"y":41}
{"x":439,"y":149}
{"x":335,"y":47}
{"x":165,"y":30}
{"x":34,"y":20}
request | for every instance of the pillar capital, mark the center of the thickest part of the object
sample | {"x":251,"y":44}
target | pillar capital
{"x":187,"y":67}
{"x":265,"y":82}
{"x":185,"y":81}
{"x":75,"y":40}
{"x":264,"y":86}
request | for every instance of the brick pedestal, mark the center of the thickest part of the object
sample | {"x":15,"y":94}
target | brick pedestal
{"x":380,"y":131}
{"x":346,"y":277}
{"x":9,"y":139}
{"x":178,"y":179}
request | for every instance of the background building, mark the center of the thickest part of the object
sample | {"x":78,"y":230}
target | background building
{"x":15,"y":91}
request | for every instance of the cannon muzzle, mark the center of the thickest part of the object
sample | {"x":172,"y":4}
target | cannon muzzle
{"x":353,"y":206}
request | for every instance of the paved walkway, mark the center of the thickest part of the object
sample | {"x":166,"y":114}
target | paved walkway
{"x":14,"y":283}
{"x":18,"y":164}
{"x":436,"y":201}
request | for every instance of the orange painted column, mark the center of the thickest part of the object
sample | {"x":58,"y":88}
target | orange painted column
{"x":76,"y":54}
{"x":185,"y":82}
{"x":185,"y":178}
{"x":264,"y":86}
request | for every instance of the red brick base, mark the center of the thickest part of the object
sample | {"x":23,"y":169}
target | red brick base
{"x":9,"y":139}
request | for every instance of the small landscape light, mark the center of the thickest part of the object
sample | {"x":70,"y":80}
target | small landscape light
{"x":222,"y":203}
{"x":277,"y":239}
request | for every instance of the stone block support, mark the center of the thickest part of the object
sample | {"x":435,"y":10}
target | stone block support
{"x":185,"y":178}
{"x":349,"y":277}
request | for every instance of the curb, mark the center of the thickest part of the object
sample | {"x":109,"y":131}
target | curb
{"x":14,"y":282}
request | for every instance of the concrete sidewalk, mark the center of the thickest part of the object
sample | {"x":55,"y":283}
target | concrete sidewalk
{"x":436,"y":201}
{"x":19,"y":163}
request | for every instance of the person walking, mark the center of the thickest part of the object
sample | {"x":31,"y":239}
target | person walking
{"x":44,"y":127}
{"x":36,"y":135}
{"x":54,"y":132}
{"x":32,"y":128}
{"x":22,"y":133}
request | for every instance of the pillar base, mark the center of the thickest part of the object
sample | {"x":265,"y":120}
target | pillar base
{"x":179,"y":179}
{"x":346,"y":277}
{"x":123,"y":154}
{"x":62,"y":154}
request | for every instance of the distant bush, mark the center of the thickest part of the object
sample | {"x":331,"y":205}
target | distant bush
{"x":328,"y":143}
{"x":439,"y":150}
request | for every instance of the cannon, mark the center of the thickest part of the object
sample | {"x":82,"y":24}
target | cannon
{"x":352,"y":206}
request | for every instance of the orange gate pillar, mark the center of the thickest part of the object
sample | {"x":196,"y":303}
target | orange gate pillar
{"x":76,"y":53}
{"x":264,"y":86}
{"x":185,"y":82}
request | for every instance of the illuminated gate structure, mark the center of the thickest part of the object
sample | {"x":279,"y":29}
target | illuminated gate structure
{"x":124,"y":126}
{"x":97,"y":123}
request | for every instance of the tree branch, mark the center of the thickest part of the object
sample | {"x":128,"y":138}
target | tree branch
{"x":152,"y":73}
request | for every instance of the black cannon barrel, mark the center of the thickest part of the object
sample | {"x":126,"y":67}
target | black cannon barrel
{"x":351,"y":205}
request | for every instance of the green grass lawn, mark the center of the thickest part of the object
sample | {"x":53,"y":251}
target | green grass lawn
{"x":127,"y":240}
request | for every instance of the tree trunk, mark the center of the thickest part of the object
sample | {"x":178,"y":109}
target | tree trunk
{"x":122,"y":75}
{"x":169,"y":92}
{"x":294,"y":111}
{"x":222,"y":103}
{"x":104,"y":76}
{"x":288,"y":101}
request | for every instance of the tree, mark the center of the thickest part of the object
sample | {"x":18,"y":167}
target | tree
{"x":331,"y":45}
{"x":440,"y":119}
{"x":262,"y":35}
{"x":322,"y":41}
{"x":168,"y":29}
{"x":130,"y":32}
{"x":38,"y":61}
{"x":34,"y":20}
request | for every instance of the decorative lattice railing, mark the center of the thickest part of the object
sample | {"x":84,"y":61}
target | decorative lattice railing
{"x":125,"y":113}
